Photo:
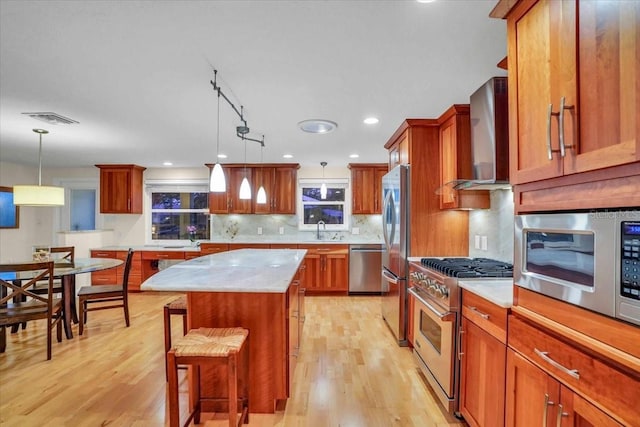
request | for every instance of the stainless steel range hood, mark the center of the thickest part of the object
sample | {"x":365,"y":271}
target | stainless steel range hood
{"x":489,"y":137}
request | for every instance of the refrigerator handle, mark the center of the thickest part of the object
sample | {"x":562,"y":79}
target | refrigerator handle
{"x":385,"y":209}
{"x":389,"y":278}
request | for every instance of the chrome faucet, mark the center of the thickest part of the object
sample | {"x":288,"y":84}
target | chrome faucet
{"x":324,"y":226}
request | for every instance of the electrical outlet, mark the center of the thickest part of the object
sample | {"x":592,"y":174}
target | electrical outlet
{"x":484,"y":243}
{"x":281,"y":230}
{"x":259,"y":230}
{"x":477,"y":241}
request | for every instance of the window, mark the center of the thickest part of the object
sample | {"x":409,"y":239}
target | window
{"x":333,"y":210}
{"x":178,"y":211}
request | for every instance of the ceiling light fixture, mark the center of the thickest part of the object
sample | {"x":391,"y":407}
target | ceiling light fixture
{"x":245,"y":188}
{"x":287,"y":156}
{"x":323,"y":187}
{"x":52,"y":118}
{"x":38,"y":195}
{"x":217,"y":181}
{"x":317,"y":126}
{"x":167,"y":164}
{"x":222,"y":156}
{"x":354,"y":156}
{"x":371,"y":120}
{"x":261,"y":197}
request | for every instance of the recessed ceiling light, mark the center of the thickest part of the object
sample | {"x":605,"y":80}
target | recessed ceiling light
{"x":222,"y":156}
{"x":371,"y":120}
{"x":288,"y":156}
{"x":354,"y":156}
{"x":425,"y":1}
{"x":167,"y":164}
{"x":317,"y":126}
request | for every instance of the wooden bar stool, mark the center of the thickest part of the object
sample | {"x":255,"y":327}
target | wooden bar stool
{"x":175,"y":307}
{"x":211,"y":346}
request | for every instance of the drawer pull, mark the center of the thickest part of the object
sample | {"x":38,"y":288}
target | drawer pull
{"x":479,"y":313}
{"x":544,"y":355}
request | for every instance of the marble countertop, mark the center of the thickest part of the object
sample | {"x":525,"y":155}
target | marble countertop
{"x":497,"y":291}
{"x":243,"y":270}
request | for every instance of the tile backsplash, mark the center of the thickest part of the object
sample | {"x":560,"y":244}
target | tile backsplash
{"x":496,"y":224}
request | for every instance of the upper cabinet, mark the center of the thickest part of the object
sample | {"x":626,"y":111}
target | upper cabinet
{"x":366,"y":183}
{"x":455,"y":161}
{"x":574,"y":101}
{"x":121,"y":189}
{"x":279,"y":181}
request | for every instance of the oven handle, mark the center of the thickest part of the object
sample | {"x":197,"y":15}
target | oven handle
{"x":389,"y":278}
{"x":444,"y":317}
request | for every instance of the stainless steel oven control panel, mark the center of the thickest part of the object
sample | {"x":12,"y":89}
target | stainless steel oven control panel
{"x":630,"y":260}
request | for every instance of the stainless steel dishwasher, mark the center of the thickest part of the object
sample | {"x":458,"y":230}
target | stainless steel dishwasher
{"x":365,"y":265}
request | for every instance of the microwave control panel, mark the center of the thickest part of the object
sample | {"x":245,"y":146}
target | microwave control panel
{"x":630,"y":260}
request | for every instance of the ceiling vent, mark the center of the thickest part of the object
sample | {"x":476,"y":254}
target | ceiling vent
{"x":52,"y":118}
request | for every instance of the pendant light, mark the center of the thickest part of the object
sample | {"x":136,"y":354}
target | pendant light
{"x":217,"y":182}
{"x":323,"y":187}
{"x":261,"y":197}
{"x":38,"y":195}
{"x":245,"y":188}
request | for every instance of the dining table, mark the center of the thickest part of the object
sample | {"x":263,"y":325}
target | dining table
{"x":66,"y":272}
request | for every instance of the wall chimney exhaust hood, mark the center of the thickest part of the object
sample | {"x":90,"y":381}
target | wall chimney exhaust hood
{"x":489,"y":138}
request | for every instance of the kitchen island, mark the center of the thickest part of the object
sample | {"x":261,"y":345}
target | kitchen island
{"x":251,"y":288}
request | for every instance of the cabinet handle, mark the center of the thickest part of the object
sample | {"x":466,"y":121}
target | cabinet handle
{"x":479,"y":313}
{"x":101,"y":254}
{"x":544,"y":355}
{"x":550,"y":113}
{"x":460,"y":354}
{"x":560,"y":415}
{"x":547,"y":403}
{"x":128,"y":204}
{"x":563,"y":107}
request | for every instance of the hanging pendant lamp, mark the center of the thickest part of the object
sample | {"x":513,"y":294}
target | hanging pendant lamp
{"x":323,"y":187}
{"x":245,"y":188}
{"x":261,"y":197}
{"x":38,"y":195}
{"x":217,"y":182}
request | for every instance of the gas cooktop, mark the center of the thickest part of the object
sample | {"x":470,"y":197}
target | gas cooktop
{"x":469,"y":267}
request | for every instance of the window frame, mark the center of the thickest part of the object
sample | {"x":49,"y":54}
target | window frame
{"x":172,"y":185}
{"x":343,"y":183}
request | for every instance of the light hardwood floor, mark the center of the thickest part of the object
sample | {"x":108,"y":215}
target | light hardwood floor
{"x":350,"y":373}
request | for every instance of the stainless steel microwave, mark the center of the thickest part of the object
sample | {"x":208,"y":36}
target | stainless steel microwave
{"x":591,"y":260}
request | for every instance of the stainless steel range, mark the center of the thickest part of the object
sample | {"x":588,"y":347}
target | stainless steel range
{"x":436,"y":317}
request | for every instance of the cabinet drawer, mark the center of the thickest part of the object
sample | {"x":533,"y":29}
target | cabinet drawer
{"x":103,"y":254}
{"x":209,"y":248}
{"x":162,"y":255}
{"x":326,"y":249}
{"x":489,"y":316}
{"x":601,"y":383}
{"x":104,"y":277}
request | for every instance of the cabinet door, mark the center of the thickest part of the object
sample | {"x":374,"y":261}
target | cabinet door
{"x":363,"y":195}
{"x":263,"y":177}
{"x":574,"y":411}
{"x":535,"y":54}
{"x":608,"y":69}
{"x":482,"y":377}
{"x":377,"y":189}
{"x":336,"y":272}
{"x":219,"y":202}
{"x":285,"y":186}
{"x":236,"y":204}
{"x":449,"y":164}
{"x":312,"y":273}
{"x":531,"y":395}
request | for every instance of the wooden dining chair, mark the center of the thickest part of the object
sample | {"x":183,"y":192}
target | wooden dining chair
{"x":18,"y":302}
{"x":105,"y":296}
{"x":66,"y":254}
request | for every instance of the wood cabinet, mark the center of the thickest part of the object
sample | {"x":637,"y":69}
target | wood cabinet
{"x":121,"y":189}
{"x":326,"y":268}
{"x":114,"y":276}
{"x":213,"y":248}
{"x":434,"y":232}
{"x":366,"y":187}
{"x":295,"y":301}
{"x":235,"y":246}
{"x":573,"y":110}
{"x":399,"y":150}
{"x":150,"y":260}
{"x":573,"y":369}
{"x":482,"y":361}
{"x":279,"y":181}
{"x":455,"y":161}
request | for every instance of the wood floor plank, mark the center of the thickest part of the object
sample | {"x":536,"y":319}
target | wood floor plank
{"x":350,"y":373}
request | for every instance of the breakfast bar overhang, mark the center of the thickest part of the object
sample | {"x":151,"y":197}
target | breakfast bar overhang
{"x":256,"y":289}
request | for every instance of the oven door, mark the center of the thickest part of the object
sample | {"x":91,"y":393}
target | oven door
{"x":434,"y":347}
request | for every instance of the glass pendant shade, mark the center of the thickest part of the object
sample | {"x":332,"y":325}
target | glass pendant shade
{"x":245,"y":189}
{"x":261,"y":197}
{"x":217,"y":182}
{"x":323,"y":191}
{"x":38,"y":195}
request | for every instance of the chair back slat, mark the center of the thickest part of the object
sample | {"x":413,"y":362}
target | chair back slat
{"x":18,"y":288}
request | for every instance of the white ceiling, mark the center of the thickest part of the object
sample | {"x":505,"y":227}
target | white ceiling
{"x":136,"y":75}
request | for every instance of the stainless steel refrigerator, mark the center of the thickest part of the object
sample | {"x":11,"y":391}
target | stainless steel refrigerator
{"x":395,"y":230}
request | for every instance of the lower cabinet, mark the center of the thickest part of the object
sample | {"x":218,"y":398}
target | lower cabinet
{"x":113,"y":276}
{"x":535,"y":398}
{"x":151,"y":260}
{"x":213,"y":248}
{"x":326,"y":268}
{"x":482,"y":361}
